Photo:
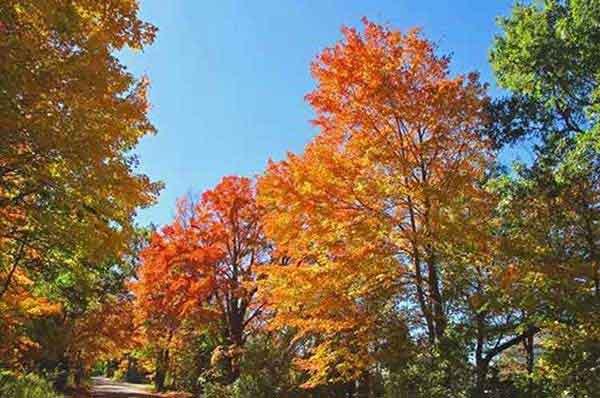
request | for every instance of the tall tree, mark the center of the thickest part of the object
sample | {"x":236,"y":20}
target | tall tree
{"x":70,"y":116}
{"x":204,"y":266}
{"x":360,"y":212}
{"x":548,"y":56}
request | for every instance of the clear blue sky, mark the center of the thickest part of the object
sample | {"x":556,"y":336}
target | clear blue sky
{"x":228,"y":77}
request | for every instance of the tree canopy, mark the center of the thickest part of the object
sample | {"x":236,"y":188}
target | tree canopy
{"x":395,"y":256}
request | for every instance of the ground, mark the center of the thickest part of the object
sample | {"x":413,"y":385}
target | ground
{"x":107,"y":388}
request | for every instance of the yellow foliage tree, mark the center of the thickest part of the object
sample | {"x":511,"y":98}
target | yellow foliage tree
{"x":70,"y":114}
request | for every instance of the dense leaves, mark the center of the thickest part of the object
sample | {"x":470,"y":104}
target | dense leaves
{"x":202,"y":268}
{"x":362,"y":209}
{"x":393,"y":257}
{"x":70,"y":116}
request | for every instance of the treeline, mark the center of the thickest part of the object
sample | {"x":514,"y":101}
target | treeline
{"x":395,"y":257}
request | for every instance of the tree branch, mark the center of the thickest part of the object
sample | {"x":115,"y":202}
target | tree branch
{"x":531,"y":330}
{"x":16,"y":261}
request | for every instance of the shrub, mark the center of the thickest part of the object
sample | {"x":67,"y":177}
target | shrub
{"x":27,"y":386}
{"x":216,"y":390}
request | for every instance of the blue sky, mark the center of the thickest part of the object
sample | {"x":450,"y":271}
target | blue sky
{"x":229,"y":77}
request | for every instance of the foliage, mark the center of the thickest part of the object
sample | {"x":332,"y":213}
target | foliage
{"x":359,"y":213}
{"x":63,"y":205}
{"x":27,"y":386}
{"x":202,"y":269}
{"x":71,"y":116}
{"x":18,"y":308}
{"x":549,"y":209}
{"x":427,"y":375}
{"x":392,"y":257}
{"x":551,"y":54}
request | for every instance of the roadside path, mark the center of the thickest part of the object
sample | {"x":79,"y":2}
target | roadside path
{"x":107,"y":388}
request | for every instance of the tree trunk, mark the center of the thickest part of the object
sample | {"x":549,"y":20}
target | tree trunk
{"x":528,"y":343}
{"x":436,"y":296}
{"x":365,"y":386}
{"x":480,"y":378}
{"x":16,"y":260}
{"x":162,"y":360}
{"x":481,"y":364}
{"x":419,"y":276}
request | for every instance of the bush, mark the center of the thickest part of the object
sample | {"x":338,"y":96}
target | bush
{"x":216,"y":390}
{"x":27,"y":386}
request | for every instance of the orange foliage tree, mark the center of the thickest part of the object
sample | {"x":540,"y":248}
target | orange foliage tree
{"x":203,"y":266}
{"x":360,"y":213}
{"x":106,"y":331}
{"x":19,"y":306}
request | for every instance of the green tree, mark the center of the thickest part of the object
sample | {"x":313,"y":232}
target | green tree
{"x":549,"y":58}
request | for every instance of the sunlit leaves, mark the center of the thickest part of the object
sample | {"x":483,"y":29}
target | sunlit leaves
{"x":202,"y":267}
{"x":397,"y":147}
{"x":70,"y":115}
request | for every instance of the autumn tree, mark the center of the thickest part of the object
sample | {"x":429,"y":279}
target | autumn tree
{"x":70,"y":344}
{"x":203,"y":267}
{"x":360,"y":212}
{"x":20,"y":306}
{"x":83,"y":316}
{"x":70,"y":116}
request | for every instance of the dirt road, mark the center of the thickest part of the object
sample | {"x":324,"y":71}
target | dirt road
{"x":106,"y":388}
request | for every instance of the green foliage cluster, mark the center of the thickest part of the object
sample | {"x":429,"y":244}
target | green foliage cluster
{"x":27,"y":386}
